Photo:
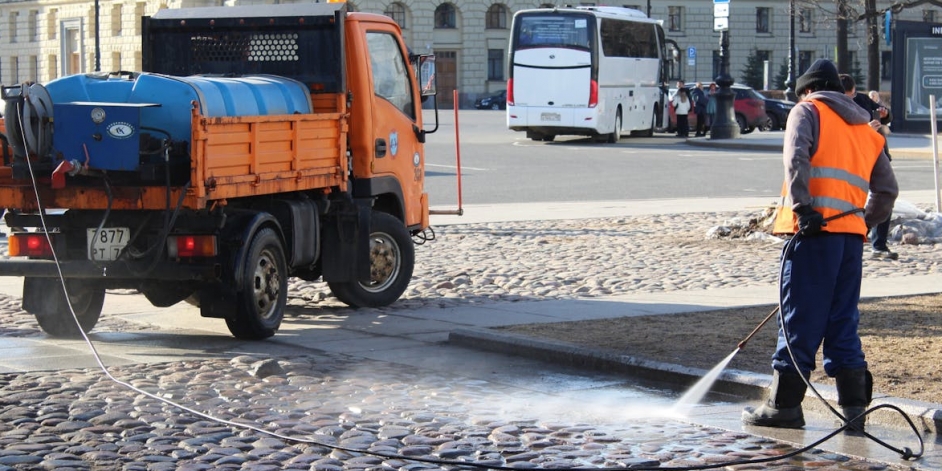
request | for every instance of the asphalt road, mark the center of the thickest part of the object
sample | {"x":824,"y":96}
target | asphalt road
{"x":503,"y":166}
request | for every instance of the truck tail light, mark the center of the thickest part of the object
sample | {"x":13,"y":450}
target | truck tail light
{"x":510,"y":92}
{"x":186,"y":246}
{"x":593,"y":94}
{"x":33,"y":245}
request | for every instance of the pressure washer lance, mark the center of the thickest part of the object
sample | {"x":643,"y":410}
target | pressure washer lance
{"x":752,"y":334}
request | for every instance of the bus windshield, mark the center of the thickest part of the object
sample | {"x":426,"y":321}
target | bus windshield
{"x":554,"y":30}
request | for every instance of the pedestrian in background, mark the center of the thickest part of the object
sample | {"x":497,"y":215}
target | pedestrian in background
{"x":881,"y":119}
{"x":682,"y":107}
{"x":711,"y":106}
{"x":832,"y":160}
{"x":700,"y":101}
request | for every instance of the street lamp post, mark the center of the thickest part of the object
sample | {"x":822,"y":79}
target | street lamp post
{"x":725,"y":126}
{"x":790,"y":81}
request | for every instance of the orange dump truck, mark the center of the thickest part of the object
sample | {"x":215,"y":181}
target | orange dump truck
{"x":260,"y":143}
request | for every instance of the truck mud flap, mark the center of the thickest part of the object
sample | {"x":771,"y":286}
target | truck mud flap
{"x":347,"y":243}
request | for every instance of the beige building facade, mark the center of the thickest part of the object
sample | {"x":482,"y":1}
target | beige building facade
{"x":41,"y":40}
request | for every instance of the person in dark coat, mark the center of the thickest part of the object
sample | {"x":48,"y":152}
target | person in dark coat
{"x":881,"y":119}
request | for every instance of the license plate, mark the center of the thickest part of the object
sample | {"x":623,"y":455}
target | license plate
{"x":550,"y":117}
{"x":107,"y":244}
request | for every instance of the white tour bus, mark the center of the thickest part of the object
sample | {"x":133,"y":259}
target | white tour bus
{"x":589,"y":71}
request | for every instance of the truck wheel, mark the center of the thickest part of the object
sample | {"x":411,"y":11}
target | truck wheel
{"x":260,"y":305}
{"x":43,"y":297}
{"x":392,"y":259}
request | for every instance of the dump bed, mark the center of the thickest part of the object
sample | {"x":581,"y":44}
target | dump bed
{"x":225,"y":134}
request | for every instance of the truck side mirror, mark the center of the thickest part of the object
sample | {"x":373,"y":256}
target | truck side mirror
{"x":424,"y":65}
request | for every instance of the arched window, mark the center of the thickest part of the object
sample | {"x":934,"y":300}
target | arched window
{"x":397,"y":12}
{"x":496,"y":17}
{"x":446,"y":17}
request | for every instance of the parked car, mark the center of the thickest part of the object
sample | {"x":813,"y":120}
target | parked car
{"x":497,"y":101}
{"x":748,"y":105}
{"x":777,"y":111}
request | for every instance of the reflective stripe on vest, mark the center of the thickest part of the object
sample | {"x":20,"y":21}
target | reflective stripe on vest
{"x":840,"y":174}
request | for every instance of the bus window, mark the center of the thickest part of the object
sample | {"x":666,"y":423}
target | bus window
{"x":566,"y":31}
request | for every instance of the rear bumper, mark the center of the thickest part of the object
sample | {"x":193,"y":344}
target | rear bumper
{"x":112,"y":271}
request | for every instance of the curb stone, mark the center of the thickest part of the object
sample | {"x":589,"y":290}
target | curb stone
{"x":741,"y":384}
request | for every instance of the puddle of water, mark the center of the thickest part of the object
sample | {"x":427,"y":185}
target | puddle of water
{"x":695,"y":394}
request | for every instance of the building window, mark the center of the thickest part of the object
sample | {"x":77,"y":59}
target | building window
{"x":14,"y":16}
{"x":928,"y":16}
{"x":547,"y":5}
{"x":15,"y":69}
{"x":763,"y":20}
{"x":52,"y":65}
{"x":71,"y":46}
{"x":352,"y":7}
{"x":675,"y":18}
{"x":397,"y":12}
{"x":763,"y":56}
{"x":33,"y":68}
{"x":139,"y":8}
{"x":886,"y":65}
{"x":805,"y":58}
{"x":805,"y":18}
{"x":495,"y":64}
{"x":116,"y":19}
{"x":634,"y":7}
{"x":446,"y":17}
{"x":116,"y":61}
{"x":496,"y":17}
{"x":32,"y":26}
{"x":52,"y":23}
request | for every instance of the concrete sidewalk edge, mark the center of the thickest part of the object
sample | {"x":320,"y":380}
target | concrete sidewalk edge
{"x":743,"y":384}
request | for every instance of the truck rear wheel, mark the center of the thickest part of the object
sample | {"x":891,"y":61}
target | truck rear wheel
{"x":260,"y":305}
{"x":392,"y":259}
{"x":44,"y":298}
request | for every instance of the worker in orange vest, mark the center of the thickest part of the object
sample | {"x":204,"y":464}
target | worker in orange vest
{"x":838,"y":183}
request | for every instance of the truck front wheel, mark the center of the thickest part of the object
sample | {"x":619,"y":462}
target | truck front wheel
{"x":260,"y":305}
{"x":392,"y":259}
{"x":44,"y":298}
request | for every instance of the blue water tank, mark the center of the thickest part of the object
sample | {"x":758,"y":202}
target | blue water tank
{"x":257,"y":95}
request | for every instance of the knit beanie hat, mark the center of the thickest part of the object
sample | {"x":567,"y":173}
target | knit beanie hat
{"x":822,"y":75}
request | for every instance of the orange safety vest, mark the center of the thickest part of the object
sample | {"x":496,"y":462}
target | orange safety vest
{"x":840,"y":175}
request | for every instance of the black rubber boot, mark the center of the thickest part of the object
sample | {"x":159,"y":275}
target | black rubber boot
{"x":783,"y":407}
{"x":854,"y":392}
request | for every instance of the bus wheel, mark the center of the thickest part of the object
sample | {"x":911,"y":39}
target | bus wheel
{"x":647,"y":132}
{"x":44,"y":298}
{"x":615,"y":136}
{"x":260,"y":305}
{"x":392,"y":259}
{"x":549,"y":138}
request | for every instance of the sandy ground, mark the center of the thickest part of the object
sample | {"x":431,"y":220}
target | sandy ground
{"x":900,"y":335}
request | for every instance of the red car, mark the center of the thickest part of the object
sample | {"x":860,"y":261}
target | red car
{"x":749,"y":106}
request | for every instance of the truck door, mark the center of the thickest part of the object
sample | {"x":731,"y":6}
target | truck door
{"x":391,"y":118}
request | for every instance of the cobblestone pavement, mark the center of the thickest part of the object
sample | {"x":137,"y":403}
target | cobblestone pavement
{"x":77,"y":419}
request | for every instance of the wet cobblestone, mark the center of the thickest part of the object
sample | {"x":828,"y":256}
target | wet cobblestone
{"x":328,"y":400}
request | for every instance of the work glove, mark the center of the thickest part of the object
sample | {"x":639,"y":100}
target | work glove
{"x":810,"y":221}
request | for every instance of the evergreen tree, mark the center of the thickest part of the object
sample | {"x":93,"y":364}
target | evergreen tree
{"x":779,"y":82}
{"x":753,"y":71}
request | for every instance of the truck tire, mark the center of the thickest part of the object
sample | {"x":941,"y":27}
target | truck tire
{"x":392,"y":259}
{"x":260,"y":305}
{"x":43,"y":297}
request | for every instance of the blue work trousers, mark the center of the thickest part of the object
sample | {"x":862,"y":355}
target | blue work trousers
{"x":820,"y":289}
